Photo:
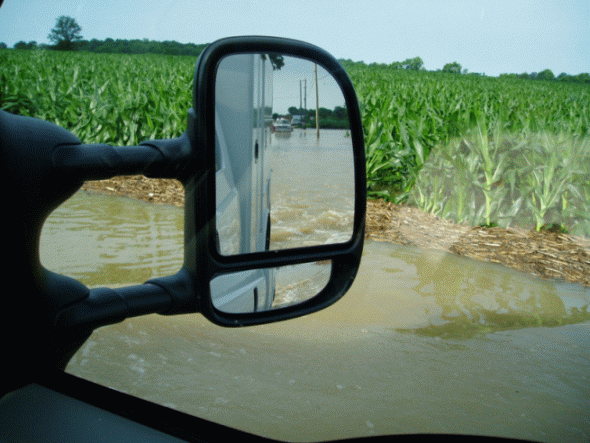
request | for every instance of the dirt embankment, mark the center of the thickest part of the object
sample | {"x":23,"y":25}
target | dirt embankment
{"x":545,"y":254}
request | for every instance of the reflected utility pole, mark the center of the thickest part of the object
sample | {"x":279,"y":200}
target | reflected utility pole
{"x":317,"y":102}
{"x":300,"y":96}
{"x":304,"y":108}
{"x":305,"y":94}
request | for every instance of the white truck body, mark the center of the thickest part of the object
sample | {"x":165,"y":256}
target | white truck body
{"x":242,"y":182}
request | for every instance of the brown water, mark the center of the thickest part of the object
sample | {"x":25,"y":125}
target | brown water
{"x":423,"y":341}
{"x":312,"y":188}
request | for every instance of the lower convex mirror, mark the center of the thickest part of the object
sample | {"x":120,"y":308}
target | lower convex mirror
{"x":265,"y":289}
{"x":284,"y":155}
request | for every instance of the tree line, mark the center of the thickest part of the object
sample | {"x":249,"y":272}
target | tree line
{"x":547,"y":74}
{"x":416,"y":64}
{"x":66,"y":36}
{"x":122,"y":46}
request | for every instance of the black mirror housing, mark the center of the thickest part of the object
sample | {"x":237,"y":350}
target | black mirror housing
{"x":62,"y":163}
{"x":47,"y":164}
{"x":203,"y":260}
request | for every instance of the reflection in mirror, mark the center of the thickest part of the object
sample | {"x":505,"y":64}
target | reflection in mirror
{"x":280,"y":183}
{"x":269,"y":288}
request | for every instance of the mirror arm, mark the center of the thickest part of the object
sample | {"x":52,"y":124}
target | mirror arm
{"x":154,"y":158}
{"x":105,"y":306}
{"x":175,"y":152}
{"x":171,"y":295}
{"x":101,"y":161}
{"x":184,"y":294}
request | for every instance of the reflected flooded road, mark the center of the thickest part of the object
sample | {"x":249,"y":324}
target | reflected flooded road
{"x":423,"y":341}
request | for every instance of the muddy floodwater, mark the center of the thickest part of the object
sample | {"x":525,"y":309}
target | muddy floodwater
{"x":424,"y":341}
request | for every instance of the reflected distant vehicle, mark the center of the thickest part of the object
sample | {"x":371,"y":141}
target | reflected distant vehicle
{"x":297,"y":121}
{"x":282,"y":125}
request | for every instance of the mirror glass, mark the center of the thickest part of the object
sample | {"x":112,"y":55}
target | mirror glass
{"x":268,"y":288}
{"x":284,"y":157}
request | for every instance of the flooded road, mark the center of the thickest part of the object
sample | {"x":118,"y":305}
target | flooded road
{"x":101,"y":240}
{"x":423,"y":341}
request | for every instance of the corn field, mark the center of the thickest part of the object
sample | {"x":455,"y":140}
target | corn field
{"x":478,"y":150}
{"x":102,"y":98}
{"x":471,"y":149}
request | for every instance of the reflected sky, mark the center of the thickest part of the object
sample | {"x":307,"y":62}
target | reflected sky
{"x":292,"y":77}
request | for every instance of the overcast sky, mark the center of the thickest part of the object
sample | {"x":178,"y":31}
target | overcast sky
{"x":485,"y":36}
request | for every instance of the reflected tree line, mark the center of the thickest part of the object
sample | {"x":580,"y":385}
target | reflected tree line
{"x":336,"y":118}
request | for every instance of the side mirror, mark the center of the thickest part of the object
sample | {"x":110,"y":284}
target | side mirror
{"x":281,"y":228}
{"x":274,"y":216}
